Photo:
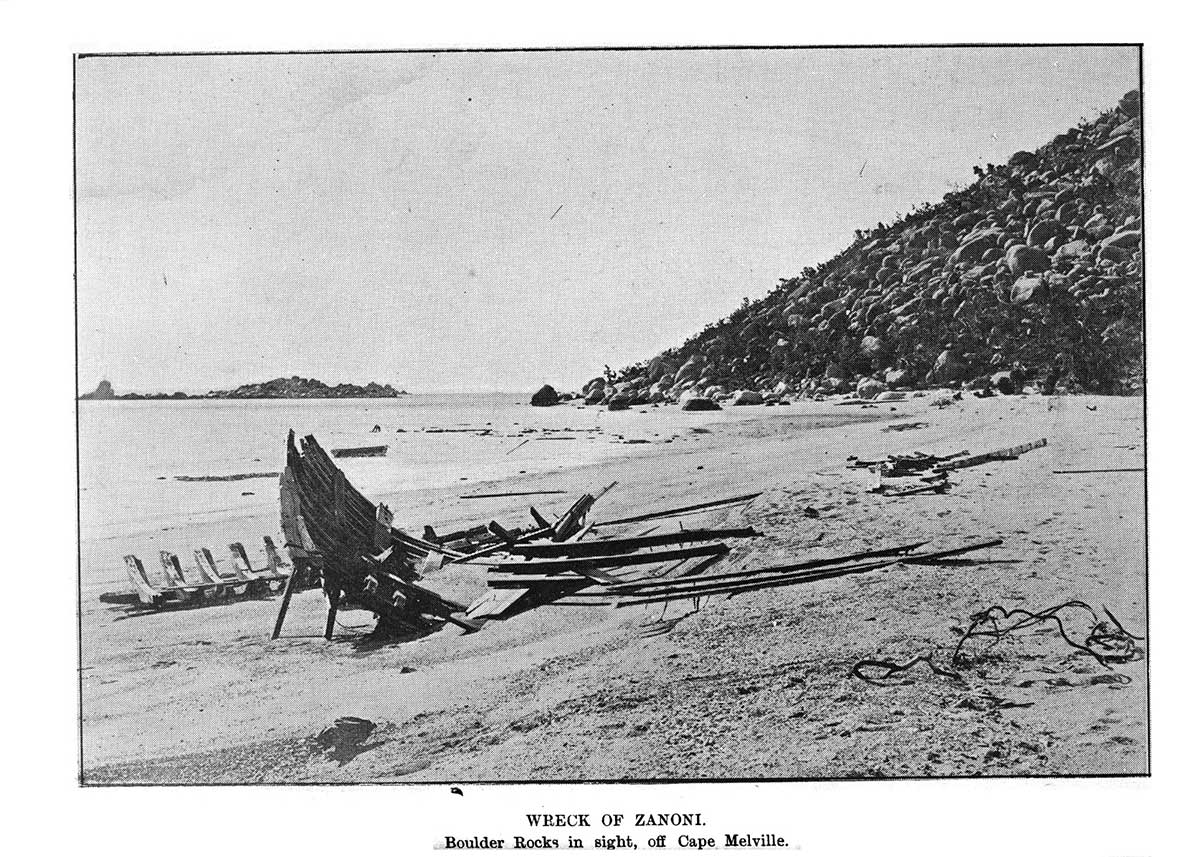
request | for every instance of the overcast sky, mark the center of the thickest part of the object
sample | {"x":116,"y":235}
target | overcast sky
{"x":497,"y":221}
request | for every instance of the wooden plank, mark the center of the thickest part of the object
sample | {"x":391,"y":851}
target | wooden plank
{"x":1105,"y":470}
{"x":617,"y":561}
{"x":531,"y":581}
{"x":769,"y":583}
{"x":499,"y":546}
{"x":894,"y":551}
{"x":668,"y":512}
{"x":707,"y":585}
{"x":615,"y":546}
{"x":507,"y":494}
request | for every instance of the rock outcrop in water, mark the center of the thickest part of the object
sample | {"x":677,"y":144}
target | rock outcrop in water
{"x":1034,"y":270}
{"x":280,"y":388}
{"x":306,"y":388}
{"x":104,"y":390}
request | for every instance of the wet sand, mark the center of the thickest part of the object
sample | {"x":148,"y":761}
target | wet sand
{"x":757,"y":686}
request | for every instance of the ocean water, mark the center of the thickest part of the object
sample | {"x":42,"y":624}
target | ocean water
{"x":130,"y":453}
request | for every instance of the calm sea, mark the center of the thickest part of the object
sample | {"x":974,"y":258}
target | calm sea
{"x":131,"y":452}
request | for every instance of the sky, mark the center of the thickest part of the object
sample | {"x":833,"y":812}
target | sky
{"x":495,"y":221}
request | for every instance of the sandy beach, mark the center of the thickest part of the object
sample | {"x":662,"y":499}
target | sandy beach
{"x":756,"y":686}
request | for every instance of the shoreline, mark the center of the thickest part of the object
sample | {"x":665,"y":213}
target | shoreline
{"x":755,"y":686}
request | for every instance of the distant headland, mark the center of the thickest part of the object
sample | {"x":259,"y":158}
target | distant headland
{"x":280,"y":388}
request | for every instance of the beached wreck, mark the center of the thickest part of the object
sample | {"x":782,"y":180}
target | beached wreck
{"x":365,"y":562}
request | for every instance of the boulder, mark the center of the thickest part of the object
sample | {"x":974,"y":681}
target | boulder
{"x":891,"y":396}
{"x":619,"y":402}
{"x":1022,"y":259}
{"x":1027,"y":289}
{"x":544,"y":397}
{"x":691,"y":370}
{"x":747,"y":397}
{"x":870,"y":346}
{"x":1128,"y":239}
{"x":898,"y":378}
{"x":1070,"y":252}
{"x":1044,"y":230}
{"x":947,"y":368}
{"x":975,"y":245}
{"x":1003,"y":383}
{"x":869,"y":388}
{"x":1022,"y":158}
{"x":594,"y":396}
{"x":698,"y":403}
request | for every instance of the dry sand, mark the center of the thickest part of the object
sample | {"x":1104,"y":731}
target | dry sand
{"x":753,"y":687}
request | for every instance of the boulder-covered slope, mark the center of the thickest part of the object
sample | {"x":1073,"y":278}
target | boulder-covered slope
{"x":1033,"y":273}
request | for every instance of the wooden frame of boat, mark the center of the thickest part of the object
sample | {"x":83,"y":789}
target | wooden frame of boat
{"x":183,"y":586}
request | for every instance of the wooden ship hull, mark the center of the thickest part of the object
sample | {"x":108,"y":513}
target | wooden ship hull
{"x":363,"y":562}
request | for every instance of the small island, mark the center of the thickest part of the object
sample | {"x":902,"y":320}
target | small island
{"x":279,"y":388}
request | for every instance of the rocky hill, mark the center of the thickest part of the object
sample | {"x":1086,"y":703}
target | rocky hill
{"x":1033,"y":273}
